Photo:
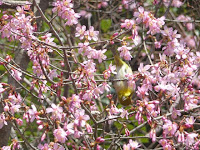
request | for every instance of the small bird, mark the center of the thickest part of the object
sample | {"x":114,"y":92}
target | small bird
{"x":124,"y":91}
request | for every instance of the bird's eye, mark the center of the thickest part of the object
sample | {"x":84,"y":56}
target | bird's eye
{"x":125,"y":70}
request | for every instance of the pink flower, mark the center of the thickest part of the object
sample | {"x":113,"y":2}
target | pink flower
{"x":175,"y":3}
{"x":84,"y":48}
{"x":143,"y":69}
{"x":2,"y":120}
{"x":56,"y":146}
{"x":52,"y":74}
{"x":196,"y":145}
{"x":175,"y":113}
{"x":16,"y":74}
{"x":152,"y":134}
{"x":169,"y":128}
{"x":57,"y":112}
{"x":60,"y":135}
{"x":114,"y":110}
{"x":102,"y":4}
{"x":32,"y":113}
{"x":127,"y":132}
{"x":15,"y":99}
{"x":181,"y":52}
{"x":157,"y":44}
{"x":14,"y":108}
{"x":155,"y":25}
{"x":80,"y":31}
{"x":124,"y":52}
{"x":142,"y":91}
{"x":190,"y":41}
{"x":181,"y":136}
{"x":100,"y":55}
{"x":69,"y":128}
{"x":124,"y":113}
{"x":91,"y":34}
{"x":85,"y":14}
{"x":75,"y":102}
{"x":171,"y":46}
{"x":1,"y":88}
{"x":104,"y":87}
{"x":89,"y":128}
{"x":170,"y":33}
{"x":66,"y":12}
{"x":47,"y":38}
{"x":189,"y":25}
{"x":190,"y":138}
{"x":139,"y":117}
{"x":19,"y":121}
{"x":189,"y":122}
{"x":128,"y":24}
{"x":97,"y":91}
{"x":6,"y":148}
{"x":163,"y":142}
{"x":161,"y":86}
{"x":126,"y":147}
{"x":89,"y":68}
{"x":44,"y":147}
{"x":110,"y":70}
{"x":100,"y":140}
{"x":81,"y":118}
{"x":131,"y":80}
{"x":133,"y":144}
{"x":141,"y":14}
{"x":88,"y":95}
{"x":43,"y":136}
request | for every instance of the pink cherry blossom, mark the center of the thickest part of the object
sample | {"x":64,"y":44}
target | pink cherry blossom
{"x":133,"y":144}
{"x":80,"y":31}
{"x":66,"y":12}
{"x":141,"y":14}
{"x":125,"y":52}
{"x":14,"y":108}
{"x":152,"y":135}
{"x":1,"y":88}
{"x":81,"y":118}
{"x":44,"y":147}
{"x":56,"y":111}
{"x":60,"y":135}
{"x":190,"y":138}
{"x":189,"y":121}
{"x":52,"y":74}
{"x":6,"y":148}
{"x":2,"y":120}
{"x":91,"y":34}
{"x":169,"y":128}
{"x":100,"y":55}
{"x":128,"y":24}
{"x":57,"y":146}
{"x":126,"y":147}
{"x":32,"y":113}
{"x":16,"y":74}
{"x":181,"y":136}
{"x":175,"y":113}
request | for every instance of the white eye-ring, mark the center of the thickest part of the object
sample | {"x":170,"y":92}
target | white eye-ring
{"x":124,"y":98}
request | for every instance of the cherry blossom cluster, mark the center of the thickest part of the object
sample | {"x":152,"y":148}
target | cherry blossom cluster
{"x":164,"y":90}
{"x":167,"y":81}
{"x":65,"y":11}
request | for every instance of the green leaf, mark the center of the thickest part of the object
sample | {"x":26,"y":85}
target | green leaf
{"x":105,"y":25}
